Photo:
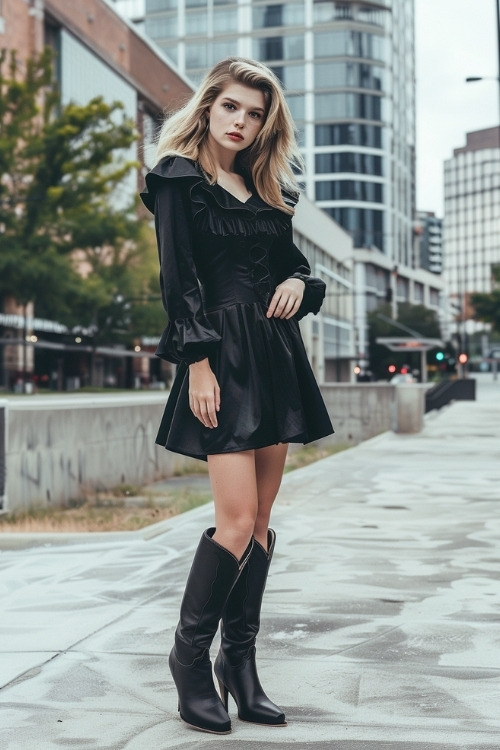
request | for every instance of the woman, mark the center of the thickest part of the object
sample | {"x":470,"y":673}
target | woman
{"x":232,"y":281}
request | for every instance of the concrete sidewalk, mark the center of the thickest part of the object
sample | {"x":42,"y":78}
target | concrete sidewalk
{"x":380,"y":622}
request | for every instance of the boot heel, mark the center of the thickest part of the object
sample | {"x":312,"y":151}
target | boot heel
{"x":224,"y":694}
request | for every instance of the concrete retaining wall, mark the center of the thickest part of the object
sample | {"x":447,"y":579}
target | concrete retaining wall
{"x":61,"y":448}
{"x":362,"y":410}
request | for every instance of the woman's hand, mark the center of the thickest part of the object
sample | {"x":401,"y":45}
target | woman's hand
{"x":204,"y":393}
{"x":286,"y":299}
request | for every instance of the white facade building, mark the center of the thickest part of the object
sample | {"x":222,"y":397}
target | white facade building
{"x":471,"y":234}
{"x":330,"y":336}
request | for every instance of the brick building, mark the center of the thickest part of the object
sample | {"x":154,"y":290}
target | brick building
{"x":98,"y":53}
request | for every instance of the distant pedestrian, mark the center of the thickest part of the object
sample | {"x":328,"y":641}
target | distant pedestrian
{"x":234,"y":286}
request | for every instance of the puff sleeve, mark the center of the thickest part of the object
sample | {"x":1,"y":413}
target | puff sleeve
{"x":189,"y":336}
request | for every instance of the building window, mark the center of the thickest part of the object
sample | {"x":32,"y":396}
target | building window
{"x":340,"y":105}
{"x":349,"y":43}
{"x":354,"y":134}
{"x":162,"y":27}
{"x":418,"y":293}
{"x":350,"y":161}
{"x":279,"y":48}
{"x":222,"y":49}
{"x":434,"y":297}
{"x":225,"y":20}
{"x":291,"y":76}
{"x":297,"y":106}
{"x":196,"y":24}
{"x":269,"y":16}
{"x":197,"y":56}
{"x":332,"y":75}
{"x":172,"y":51}
{"x":349,"y":190}
{"x":364,"y":225}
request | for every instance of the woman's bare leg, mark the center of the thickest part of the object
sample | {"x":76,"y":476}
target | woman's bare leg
{"x":269,"y":465}
{"x":234,"y":487}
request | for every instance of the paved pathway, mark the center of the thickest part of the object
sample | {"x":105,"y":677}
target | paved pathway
{"x":380,"y":624}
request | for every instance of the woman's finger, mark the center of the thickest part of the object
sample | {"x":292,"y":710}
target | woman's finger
{"x":271,"y":311}
{"x":289,"y":306}
{"x":294,"y":309}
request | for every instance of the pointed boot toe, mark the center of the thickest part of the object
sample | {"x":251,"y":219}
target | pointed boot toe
{"x":199,"y":705}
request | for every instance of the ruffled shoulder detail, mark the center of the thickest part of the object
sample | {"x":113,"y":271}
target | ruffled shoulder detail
{"x":217,"y":211}
{"x":169,"y":168}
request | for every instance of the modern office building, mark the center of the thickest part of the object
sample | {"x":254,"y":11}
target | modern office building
{"x":348,"y":70}
{"x":195,"y":35}
{"x":471,"y":233}
{"x":429,"y":242}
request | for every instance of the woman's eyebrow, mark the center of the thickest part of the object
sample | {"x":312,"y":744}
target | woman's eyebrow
{"x":234,"y":101}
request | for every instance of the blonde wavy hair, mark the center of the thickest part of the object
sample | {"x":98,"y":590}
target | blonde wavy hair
{"x":269,"y":161}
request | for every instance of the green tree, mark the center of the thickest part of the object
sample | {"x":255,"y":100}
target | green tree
{"x":487,"y":304}
{"x":69,"y":244}
{"x":417,"y":317}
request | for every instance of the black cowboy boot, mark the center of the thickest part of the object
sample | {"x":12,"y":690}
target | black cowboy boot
{"x":212,"y":576}
{"x":235,"y":666}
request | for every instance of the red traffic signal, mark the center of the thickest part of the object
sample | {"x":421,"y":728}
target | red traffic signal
{"x":462,"y":358}
{"x":392,"y":368}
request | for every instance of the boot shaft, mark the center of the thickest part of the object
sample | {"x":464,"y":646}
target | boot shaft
{"x":213,"y":573}
{"x":241,"y":615}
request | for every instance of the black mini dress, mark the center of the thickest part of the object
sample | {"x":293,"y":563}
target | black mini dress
{"x":221,"y":260}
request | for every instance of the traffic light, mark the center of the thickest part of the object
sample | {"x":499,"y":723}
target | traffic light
{"x":392,"y":369}
{"x":462,"y":358}
{"x":439,"y":356}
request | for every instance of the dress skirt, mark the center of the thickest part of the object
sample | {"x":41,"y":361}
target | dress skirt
{"x":269,"y":394}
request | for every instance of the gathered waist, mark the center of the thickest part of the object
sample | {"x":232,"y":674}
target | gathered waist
{"x":226,"y":295}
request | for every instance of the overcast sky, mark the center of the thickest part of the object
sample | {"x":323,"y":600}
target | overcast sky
{"x":454,"y":39}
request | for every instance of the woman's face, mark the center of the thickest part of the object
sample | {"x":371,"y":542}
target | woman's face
{"x":236,"y":117}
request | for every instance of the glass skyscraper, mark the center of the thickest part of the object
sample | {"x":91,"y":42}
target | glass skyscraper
{"x":348,"y":71}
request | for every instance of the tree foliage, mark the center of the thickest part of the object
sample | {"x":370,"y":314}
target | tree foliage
{"x":68,"y":241}
{"x":487,"y":305}
{"x":417,"y":317}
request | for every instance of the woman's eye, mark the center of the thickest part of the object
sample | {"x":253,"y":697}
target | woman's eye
{"x":256,"y":115}
{"x":228,"y":105}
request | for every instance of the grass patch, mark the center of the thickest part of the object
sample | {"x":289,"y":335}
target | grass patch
{"x":129,"y":508}
{"x":103,"y":513}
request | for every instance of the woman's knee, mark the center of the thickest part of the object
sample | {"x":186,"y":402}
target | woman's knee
{"x":238,"y":525}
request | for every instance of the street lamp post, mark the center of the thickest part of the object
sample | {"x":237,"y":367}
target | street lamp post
{"x":472,"y":79}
